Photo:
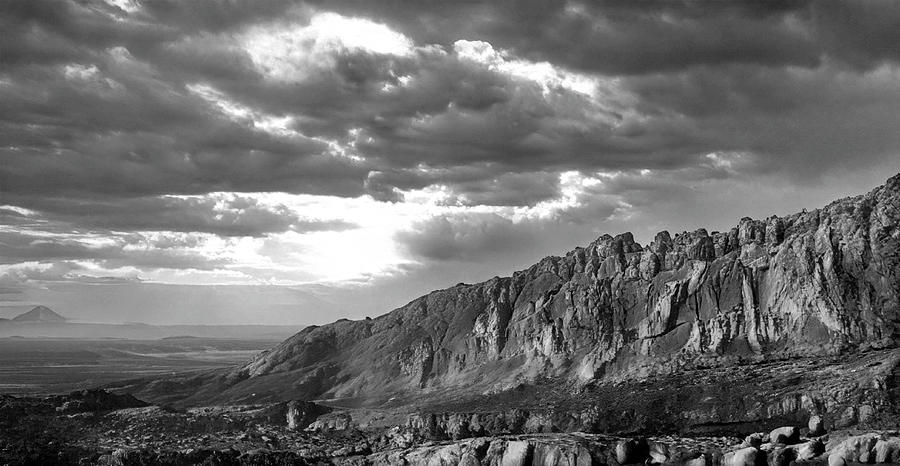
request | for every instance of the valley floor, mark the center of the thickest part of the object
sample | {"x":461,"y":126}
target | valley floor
{"x":58,"y":365}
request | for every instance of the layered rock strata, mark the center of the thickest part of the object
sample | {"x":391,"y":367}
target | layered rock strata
{"x":816,"y":283}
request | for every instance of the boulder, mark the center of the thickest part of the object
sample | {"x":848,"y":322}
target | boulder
{"x":517,"y":453}
{"x":659,"y":452}
{"x":559,"y":454}
{"x":699,"y":461}
{"x":816,"y":426}
{"x":753,"y":440}
{"x":469,"y":459}
{"x":858,"y":448}
{"x":887,"y":450}
{"x":847,"y":418}
{"x":743,"y":457}
{"x":632,"y":451}
{"x":97,"y":400}
{"x":300,"y":414}
{"x":786,"y":435}
{"x":809,"y":450}
{"x":448,"y":454}
{"x":331,"y":423}
{"x":681,"y":455}
{"x":780,"y":456}
{"x":865,"y":414}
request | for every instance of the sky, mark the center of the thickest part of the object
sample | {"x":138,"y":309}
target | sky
{"x":276,"y":162}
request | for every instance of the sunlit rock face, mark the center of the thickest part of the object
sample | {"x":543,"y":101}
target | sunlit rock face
{"x":812,"y":283}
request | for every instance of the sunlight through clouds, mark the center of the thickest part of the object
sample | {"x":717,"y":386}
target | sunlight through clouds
{"x":344,"y":144}
{"x":542,"y":73}
{"x":278,"y":125}
{"x":287,"y":51}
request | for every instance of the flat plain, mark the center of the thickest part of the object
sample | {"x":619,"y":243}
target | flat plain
{"x":38,"y":366}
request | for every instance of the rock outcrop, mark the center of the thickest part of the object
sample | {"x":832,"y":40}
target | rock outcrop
{"x":97,"y":400}
{"x":817,"y":283}
{"x":32,"y":432}
{"x":300,"y":414}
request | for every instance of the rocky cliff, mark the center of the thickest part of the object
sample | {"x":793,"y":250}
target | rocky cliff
{"x":816,"y":283}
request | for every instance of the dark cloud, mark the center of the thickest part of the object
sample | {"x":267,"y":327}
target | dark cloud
{"x":464,"y":237}
{"x":122,"y":120}
{"x":627,"y":37}
{"x":508,"y":189}
{"x":470,"y":185}
{"x":118,"y":132}
{"x":114,"y":123}
{"x":100,"y":112}
{"x":146,"y":233}
{"x":230,"y":216}
{"x":488,"y":238}
{"x":108,"y":253}
{"x":804,"y":123}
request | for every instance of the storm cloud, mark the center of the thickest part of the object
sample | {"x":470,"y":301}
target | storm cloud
{"x":223,"y":215}
{"x":174,"y":98}
{"x":263,"y":141}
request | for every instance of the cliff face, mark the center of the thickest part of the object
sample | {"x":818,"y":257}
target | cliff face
{"x":812,"y":283}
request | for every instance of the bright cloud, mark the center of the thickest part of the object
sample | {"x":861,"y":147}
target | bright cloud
{"x":288,"y":51}
{"x":543,"y":73}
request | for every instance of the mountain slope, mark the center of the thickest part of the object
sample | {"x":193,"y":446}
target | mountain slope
{"x":39,"y":314}
{"x":816,"y":283}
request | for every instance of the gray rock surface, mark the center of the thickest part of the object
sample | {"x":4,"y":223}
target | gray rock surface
{"x":785,"y":435}
{"x":744,"y":457}
{"x":816,"y":426}
{"x":754,"y":440}
{"x":632,"y":451}
{"x":300,"y":414}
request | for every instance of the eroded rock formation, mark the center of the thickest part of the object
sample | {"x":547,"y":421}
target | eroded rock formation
{"x":815,"y":283}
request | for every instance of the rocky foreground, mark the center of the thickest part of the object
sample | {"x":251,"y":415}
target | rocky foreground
{"x":96,"y":428}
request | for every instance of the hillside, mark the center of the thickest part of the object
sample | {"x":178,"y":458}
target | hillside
{"x":812,"y":285}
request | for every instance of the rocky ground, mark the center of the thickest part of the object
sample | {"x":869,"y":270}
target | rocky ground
{"x":856,"y":390}
{"x":97,"y":427}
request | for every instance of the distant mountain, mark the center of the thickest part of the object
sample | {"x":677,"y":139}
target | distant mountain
{"x":39,"y":314}
{"x":42,"y":322}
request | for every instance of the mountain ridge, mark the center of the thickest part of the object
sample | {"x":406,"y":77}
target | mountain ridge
{"x":809,"y":284}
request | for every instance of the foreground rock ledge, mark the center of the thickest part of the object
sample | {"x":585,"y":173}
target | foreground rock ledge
{"x":33,"y":432}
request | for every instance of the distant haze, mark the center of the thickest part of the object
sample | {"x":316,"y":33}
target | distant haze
{"x":281,"y":162}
